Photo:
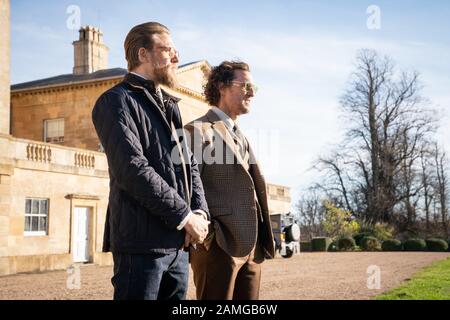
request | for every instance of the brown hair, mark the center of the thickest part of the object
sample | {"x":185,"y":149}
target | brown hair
{"x":223,"y":74}
{"x":140,"y":36}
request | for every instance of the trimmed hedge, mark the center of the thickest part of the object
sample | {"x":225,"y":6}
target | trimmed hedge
{"x":438,"y":245}
{"x":370,"y":244}
{"x":320,"y":244}
{"x":359,"y":236}
{"x":392,"y":245}
{"x":346,"y":243}
{"x":305,"y":246}
{"x":415,"y":245}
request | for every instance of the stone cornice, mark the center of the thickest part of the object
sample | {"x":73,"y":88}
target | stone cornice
{"x":67,"y":86}
{"x":82,"y":196}
{"x":110,"y":81}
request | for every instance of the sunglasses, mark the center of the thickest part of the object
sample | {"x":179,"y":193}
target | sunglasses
{"x":170,"y":50}
{"x":247,"y":86}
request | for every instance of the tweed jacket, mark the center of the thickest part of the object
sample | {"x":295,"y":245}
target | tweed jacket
{"x":231,"y":186}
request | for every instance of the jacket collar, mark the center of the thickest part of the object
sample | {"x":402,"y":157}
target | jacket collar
{"x":220,"y":127}
{"x":139,"y":82}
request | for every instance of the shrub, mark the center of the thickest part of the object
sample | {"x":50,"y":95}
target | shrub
{"x":381,"y":231}
{"x":305,"y":246}
{"x":333,"y":247}
{"x":346,"y":243}
{"x":359,"y":236}
{"x":392,"y":245}
{"x":370,"y":244}
{"x":436,"y":245}
{"x":415,"y":245}
{"x":320,"y":244}
{"x":338,"y":222}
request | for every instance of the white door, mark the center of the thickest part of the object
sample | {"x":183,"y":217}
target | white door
{"x":81,"y":235}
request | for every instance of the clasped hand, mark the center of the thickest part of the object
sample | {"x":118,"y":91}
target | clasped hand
{"x":196,"y":229}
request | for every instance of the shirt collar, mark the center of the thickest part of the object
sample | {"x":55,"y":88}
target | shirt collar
{"x":139,"y":75}
{"x":224,"y":117}
{"x":158,"y":89}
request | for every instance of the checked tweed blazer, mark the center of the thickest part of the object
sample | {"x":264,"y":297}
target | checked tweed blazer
{"x":231,"y":185}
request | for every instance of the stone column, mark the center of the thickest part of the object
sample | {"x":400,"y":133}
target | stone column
{"x":4,"y":68}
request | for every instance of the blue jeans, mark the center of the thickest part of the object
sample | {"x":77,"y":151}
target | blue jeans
{"x":154,"y":276}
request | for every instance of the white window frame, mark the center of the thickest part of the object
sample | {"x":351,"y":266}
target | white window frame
{"x":45,"y":130}
{"x":39,"y":214}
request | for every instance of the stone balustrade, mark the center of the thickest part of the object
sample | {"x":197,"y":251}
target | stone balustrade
{"x":84,"y":160}
{"x":39,"y":152}
{"x":46,"y":156}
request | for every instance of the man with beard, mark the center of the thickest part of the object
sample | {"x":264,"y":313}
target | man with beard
{"x":228,"y":264}
{"x":156,"y":203}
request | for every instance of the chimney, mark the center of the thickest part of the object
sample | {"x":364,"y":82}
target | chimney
{"x":90,"y":53}
{"x":5,"y":108}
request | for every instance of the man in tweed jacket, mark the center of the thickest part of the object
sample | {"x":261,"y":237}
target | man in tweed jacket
{"x":228,"y":264}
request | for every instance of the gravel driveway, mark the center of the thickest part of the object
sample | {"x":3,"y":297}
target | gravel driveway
{"x":305,"y":276}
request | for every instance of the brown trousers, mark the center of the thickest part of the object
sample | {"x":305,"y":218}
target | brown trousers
{"x":218,"y":276}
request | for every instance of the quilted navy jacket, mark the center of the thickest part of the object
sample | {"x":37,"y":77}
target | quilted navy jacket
{"x":150,"y":194}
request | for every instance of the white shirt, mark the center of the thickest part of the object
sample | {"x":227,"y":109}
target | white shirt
{"x":225,"y":118}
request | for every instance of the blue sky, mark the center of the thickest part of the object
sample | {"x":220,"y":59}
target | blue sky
{"x":300,"y":52}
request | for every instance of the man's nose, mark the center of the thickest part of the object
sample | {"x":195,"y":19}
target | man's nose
{"x":174,"y":58}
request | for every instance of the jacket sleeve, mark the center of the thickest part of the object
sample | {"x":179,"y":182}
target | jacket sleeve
{"x":127,"y":164}
{"x":198,"y":201}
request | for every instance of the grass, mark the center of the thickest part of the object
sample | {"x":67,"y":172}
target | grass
{"x":432,"y":283}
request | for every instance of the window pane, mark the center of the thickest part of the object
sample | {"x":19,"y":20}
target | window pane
{"x":54,"y":128}
{"x":43,"y":207}
{"x":28,"y":223}
{"x":28,"y":206}
{"x":34,"y":224}
{"x":43,"y":224}
{"x":35,"y":207}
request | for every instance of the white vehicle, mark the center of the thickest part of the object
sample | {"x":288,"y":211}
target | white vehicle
{"x":286,"y":234}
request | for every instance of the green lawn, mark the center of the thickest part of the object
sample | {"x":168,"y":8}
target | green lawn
{"x":432,"y":283}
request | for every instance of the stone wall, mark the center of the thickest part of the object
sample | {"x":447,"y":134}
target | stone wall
{"x":74,"y":103}
{"x":68,"y":178}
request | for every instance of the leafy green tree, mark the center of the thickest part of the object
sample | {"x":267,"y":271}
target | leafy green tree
{"x":338,"y":222}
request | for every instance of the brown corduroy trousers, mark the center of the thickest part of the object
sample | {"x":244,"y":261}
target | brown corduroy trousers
{"x":218,"y":276}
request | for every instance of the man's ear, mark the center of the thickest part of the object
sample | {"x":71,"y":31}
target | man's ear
{"x":142,"y":55}
{"x":221,"y":87}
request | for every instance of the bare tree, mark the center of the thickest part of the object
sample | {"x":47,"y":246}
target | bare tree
{"x":376,"y":173}
{"x":339,"y":179}
{"x":442,"y":193}
{"x":427,"y":185}
{"x":311,"y":212}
